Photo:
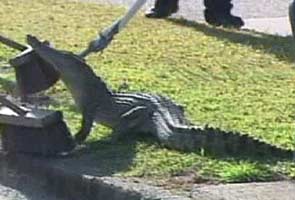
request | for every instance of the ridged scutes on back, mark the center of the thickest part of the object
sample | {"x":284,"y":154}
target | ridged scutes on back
{"x":216,"y":141}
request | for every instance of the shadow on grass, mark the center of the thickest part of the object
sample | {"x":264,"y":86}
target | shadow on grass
{"x":264,"y":154}
{"x":101,"y":158}
{"x":282,"y":47}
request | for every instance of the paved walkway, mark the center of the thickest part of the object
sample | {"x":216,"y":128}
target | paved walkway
{"x":268,"y":16}
{"x":253,"y":191}
{"x":86,"y":176}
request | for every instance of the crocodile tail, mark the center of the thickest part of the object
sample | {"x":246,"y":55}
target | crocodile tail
{"x":214,"y":141}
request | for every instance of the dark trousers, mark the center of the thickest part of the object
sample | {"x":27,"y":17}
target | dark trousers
{"x":218,"y":6}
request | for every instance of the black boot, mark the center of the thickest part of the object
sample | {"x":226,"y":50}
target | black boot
{"x":218,"y":13}
{"x":163,"y":8}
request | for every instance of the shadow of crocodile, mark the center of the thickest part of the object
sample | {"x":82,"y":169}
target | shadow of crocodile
{"x":204,"y":140}
{"x":100,"y":158}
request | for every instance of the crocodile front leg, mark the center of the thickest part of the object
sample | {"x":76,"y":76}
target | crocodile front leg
{"x":86,"y":125}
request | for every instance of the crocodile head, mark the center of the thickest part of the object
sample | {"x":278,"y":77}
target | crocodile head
{"x":60,"y":60}
{"x":69,"y":66}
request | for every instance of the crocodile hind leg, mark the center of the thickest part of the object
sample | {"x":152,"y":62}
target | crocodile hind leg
{"x":131,"y":122}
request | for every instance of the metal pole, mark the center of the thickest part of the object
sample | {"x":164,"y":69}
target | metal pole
{"x":12,"y":44}
{"x":106,"y":36}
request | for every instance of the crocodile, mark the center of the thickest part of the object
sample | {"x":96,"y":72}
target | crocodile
{"x":142,"y":113}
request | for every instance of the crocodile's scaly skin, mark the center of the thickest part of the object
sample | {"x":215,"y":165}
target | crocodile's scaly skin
{"x":142,"y":113}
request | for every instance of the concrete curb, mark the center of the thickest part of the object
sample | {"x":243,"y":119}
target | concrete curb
{"x":281,"y":190}
{"x":74,"y":186}
{"x":65,"y":182}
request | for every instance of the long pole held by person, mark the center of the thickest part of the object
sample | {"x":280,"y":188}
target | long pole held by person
{"x":106,"y":36}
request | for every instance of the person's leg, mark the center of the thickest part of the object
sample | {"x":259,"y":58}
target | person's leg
{"x":218,"y":13}
{"x":292,"y":22}
{"x":163,"y":8}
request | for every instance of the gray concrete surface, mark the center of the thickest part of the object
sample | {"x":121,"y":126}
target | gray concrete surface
{"x":84,"y":177}
{"x":62,"y":180}
{"x":18,"y":186}
{"x":268,"y":16}
{"x":253,"y":191}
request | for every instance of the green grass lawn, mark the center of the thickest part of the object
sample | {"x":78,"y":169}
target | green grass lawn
{"x":235,"y":80}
